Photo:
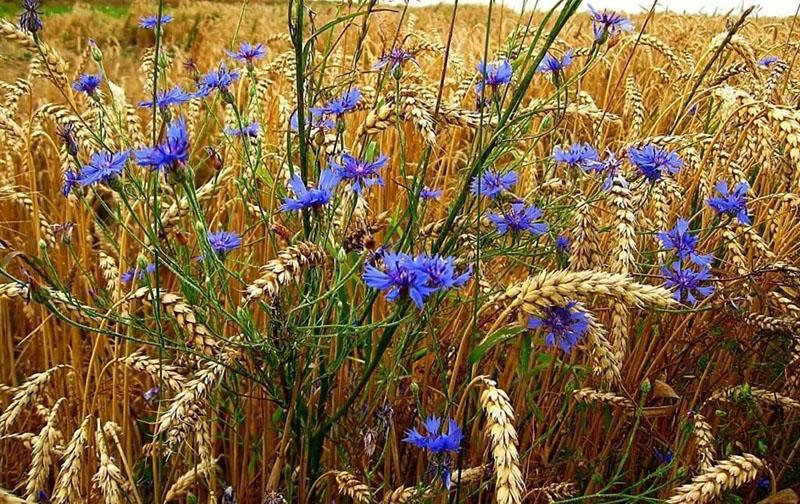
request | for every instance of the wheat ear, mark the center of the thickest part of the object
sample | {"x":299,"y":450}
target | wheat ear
{"x":500,"y":430}
{"x":726,"y":475}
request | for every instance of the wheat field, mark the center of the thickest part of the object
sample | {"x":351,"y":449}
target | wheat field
{"x":349,"y":252}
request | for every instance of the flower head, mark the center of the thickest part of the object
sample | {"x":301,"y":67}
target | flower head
{"x":434,"y":439}
{"x":654,"y":162}
{"x":399,"y":277}
{"x":428,"y":193}
{"x":71,"y":179}
{"x":103,"y":167}
{"x":607,"y":23}
{"x":87,"y":83}
{"x":562,"y":244}
{"x":137,"y":273}
{"x":493,"y":74}
{"x":152,"y":22}
{"x":565,"y":325}
{"x":170,"y":155}
{"x":164,"y":99}
{"x":220,"y":79}
{"x":518,"y":218}
{"x":248,"y":53}
{"x":664,"y":457}
{"x":343,"y":104}
{"x":767,"y":61}
{"x":396,"y":58}
{"x":66,"y":133}
{"x":315,"y":119}
{"x":554,"y":65}
{"x":490,"y":183}
{"x":579,"y":155}
{"x":30,"y":20}
{"x":683,"y":243}
{"x":360,"y":172}
{"x":731,"y":204}
{"x":311,"y":197}
{"x":252,"y":130}
{"x":223,"y":242}
{"x":687,"y":282}
{"x":441,"y":271}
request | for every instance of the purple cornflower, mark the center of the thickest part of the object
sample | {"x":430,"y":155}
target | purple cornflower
{"x":313,"y":197}
{"x":220,"y":79}
{"x":683,"y":243}
{"x":87,"y":83}
{"x":170,"y":155}
{"x":493,"y":74}
{"x":430,"y":194}
{"x":71,"y":179}
{"x":248,"y":52}
{"x":562,"y":244}
{"x":441,"y":271}
{"x":434,"y":440}
{"x":174,"y":96}
{"x":607,"y":23}
{"x":360,"y":172}
{"x":152,"y":22}
{"x":400,"y":276}
{"x":318,"y":121}
{"x":731,"y":204}
{"x":565,"y":325}
{"x":150,"y":394}
{"x":654,"y":163}
{"x":767,"y":61}
{"x":519,"y":217}
{"x":252,"y":130}
{"x":223,"y":242}
{"x":137,"y":273}
{"x":688,"y":283}
{"x":554,"y":65}
{"x":103,"y":167}
{"x":340,"y":106}
{"x":579,"y":155}
{"x":490,"y":183}
{"x":397,"y":57}
{"x":30,"y":20}
{"x":66,"y":133}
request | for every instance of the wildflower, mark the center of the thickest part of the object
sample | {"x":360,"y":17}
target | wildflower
{"x":565,"y":324}
{"x":441,"y":271}
{"x":683,"y":243}
{"x":311,"y":197}
{"x":554,"y":65}
{"x":490,"y":183}
{"x":71,"y":180}
{"x":688,"y":283}
{"x":341,"y":105}
{"x":248,"y":52}
{"x":152,"y":22}
{"x":170,"y":155}
{"x":136,"y":273}
{"x":30,"y":20}
{"x":693,"y":109}
{"x":220,"y":79}
{"x":397,"y":57}
{"x":579,"y":155}
{"x":41,"y":497}
{"x":87,"y":83}
{"x":767,"y":61}
{"x":223,"y":242}
{"x":434,"y":440}
{"x":66,"y":133}
{"x":562,"y":244}
{"x":654,"y":162}
{"x":252,"y":130}
{"x":493,"y":74}
{"x":430,"y":194}
{"x":164,"y":99}
{"x":228,"y":497}
{"x":611,"y":167}
{"x":64,"y":231}
{"x":764,"y":483}
{"x":607,"y":23}
{"x":731,"y":204}
{"x":519,"y":218}
{"x":314,"y":119}
{"x":150,"y":394}
{"x":664,"y":457}
{"x":359,"y":171}
{"x":400,"y":277}
{"x":103,"y":167}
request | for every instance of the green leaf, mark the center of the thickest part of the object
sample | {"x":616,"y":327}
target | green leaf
{"x":493,"y":339}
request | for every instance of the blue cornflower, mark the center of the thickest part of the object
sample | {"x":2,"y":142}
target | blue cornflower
{"x":341,"y":105}
{"x":688,"y":283}
{"x":152,"y":22}
{"x":313,"y":197}
{"x":654,"y":163}
{"x":174,"y":96}
{"x":611,"y":167}
{"x":554,"y":65}
{"x":441,"y":271}
{"x":565,"y":324}
{"x":30,"y":20}
{"x":579,"y":155}
{"x":360,"y":172}
{"x":87,"y":83}
{"x":683,"y":243}
{"x":664,"y":457}
{"x":430,"y":194}
{"x":220,"y":79}
{"x":607,"y":23}
{"x":562,"y":244}
{"x":490,"y":183}
{"x":66,"y":132}
{"x":314,"y":119}
{"x":764,"y":483}
{"x":248,"y":52}
{"x":433,"y":440}
{"x":223,"y":242}
{"x":136,"y":273}
{"x":71,"y":179}
{"x":493,"y":74}
{"x":768,"y":61}
{"x":397,"y":57}
{"x":520,"y":217}
{"x":252,"y":130}
{"x":170,"y":155}
{"x":731,"y":204}
{"x":103,"y":167}
{"x":400,"y":276}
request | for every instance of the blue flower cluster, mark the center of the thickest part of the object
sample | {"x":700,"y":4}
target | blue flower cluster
{"x":688,"y":280}
{"x":438,"y":444}
{"x":566,"y":325}
{"x":732,"y":204}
